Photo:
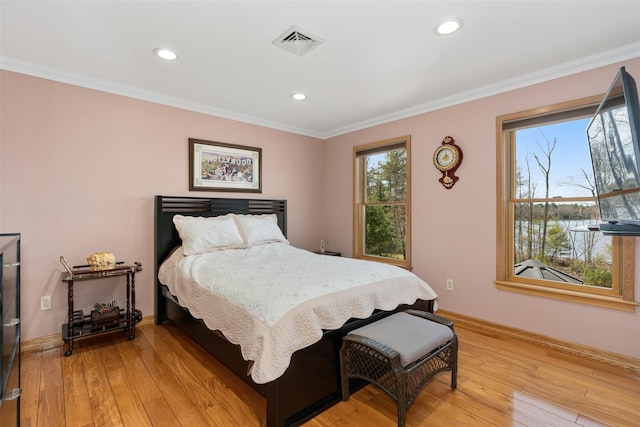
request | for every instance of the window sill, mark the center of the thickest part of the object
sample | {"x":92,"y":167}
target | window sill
{"x":401,"y":264}
{"x":571,"y":296}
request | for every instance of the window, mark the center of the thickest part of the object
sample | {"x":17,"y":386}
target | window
{"x":382,"y":207}
{"x":546,"y":200}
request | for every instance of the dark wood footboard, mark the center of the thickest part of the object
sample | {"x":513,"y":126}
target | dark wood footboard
{"x":310,"y":385}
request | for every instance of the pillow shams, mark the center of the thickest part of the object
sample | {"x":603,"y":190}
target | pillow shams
{"x":204,"y":234}
{"x":259,"y":229}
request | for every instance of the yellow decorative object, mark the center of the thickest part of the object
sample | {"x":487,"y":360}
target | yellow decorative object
{"x":101,"y":261}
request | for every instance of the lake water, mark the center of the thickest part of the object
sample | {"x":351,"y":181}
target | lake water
{"x":579,"y":236}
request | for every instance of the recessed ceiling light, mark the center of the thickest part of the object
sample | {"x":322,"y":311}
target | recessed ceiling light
{"x":299,"y":96}
{"x":166,"y":54}
{"x":448,"y":27}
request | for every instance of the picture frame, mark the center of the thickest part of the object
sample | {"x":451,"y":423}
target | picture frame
{"x":218,"y":166}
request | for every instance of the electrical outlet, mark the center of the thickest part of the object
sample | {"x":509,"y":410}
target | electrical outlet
{"x":45,"y":302}
{"x":449,"y":284}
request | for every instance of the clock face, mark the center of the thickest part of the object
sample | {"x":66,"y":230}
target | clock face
{"x":445,"y":158}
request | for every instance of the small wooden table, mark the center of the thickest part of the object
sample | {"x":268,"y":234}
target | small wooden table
{"x":81,"y":326}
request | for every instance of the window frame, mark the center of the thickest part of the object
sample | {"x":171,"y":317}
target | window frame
{"x":621,"y":297}
{"x":359,"y":204}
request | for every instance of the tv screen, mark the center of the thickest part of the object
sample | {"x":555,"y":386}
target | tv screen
{"x":615,"y":154}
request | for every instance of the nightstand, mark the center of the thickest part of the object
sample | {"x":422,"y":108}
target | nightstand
{"x":328,"y":253}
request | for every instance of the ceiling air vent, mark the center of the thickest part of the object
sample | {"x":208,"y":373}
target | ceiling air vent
{"x":297,"y":40}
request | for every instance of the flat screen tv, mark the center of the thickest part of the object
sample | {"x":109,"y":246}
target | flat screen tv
{"x":613,"y":134}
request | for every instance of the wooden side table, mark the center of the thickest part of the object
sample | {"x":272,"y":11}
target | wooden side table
{"x":81,"y":326}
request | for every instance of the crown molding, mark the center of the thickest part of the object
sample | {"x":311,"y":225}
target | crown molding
{"x":623,"y":53}
{"x":35,"y":70}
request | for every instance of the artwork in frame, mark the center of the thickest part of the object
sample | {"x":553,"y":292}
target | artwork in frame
{"x":217,"y":166}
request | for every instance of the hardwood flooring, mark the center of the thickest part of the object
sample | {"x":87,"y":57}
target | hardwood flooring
{"x":162,"y":378}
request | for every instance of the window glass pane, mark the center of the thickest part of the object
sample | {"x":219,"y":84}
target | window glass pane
{"x":385,"y":231}
{"x":563,"y":250}
{"x":553,"y":161}
{"x":386,"y":179}
{"x":551,"y":240}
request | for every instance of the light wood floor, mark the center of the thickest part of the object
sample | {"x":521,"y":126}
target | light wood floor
{"x":162,"y":378}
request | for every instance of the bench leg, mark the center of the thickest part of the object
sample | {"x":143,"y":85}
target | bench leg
{"x":344,"y":379}
{"x":454,"y":362}
{"x":401,"y":397}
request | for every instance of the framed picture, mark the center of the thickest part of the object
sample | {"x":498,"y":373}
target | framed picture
{"x":216,"y":166}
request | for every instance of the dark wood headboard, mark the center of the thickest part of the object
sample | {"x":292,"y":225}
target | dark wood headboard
{"x":166,"y":235}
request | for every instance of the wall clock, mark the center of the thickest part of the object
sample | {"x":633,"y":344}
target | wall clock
{"x":447,"y":158}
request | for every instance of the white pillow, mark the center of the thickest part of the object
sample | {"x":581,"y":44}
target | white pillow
{"x":259,"y":229}
{"x":207,"y":234}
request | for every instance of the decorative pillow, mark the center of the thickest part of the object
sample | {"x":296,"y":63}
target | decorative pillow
{"x":259,"y":229}
{"x":207,"y":234}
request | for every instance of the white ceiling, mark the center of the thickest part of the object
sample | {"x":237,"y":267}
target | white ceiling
{"x":380,"y":60}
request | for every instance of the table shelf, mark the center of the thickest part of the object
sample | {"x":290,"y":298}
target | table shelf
{"x":80,"y":325}
{"x":84,"y":327}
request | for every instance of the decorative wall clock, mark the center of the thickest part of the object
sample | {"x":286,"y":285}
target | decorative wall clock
{"x":447,"y":158}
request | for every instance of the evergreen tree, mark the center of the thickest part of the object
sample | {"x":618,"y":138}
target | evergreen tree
{"x":386,"y":222}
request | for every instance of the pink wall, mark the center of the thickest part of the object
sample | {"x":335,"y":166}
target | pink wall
{"x":454,"y":230}
{"x":79,"y":169}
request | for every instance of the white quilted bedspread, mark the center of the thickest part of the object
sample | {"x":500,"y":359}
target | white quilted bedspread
{"x":275,"y":299}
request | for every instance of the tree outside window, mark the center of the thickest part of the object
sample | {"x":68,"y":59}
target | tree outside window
{"x":552,"y":164}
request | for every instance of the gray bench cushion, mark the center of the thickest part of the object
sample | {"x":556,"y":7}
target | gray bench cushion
{"x":411,"y":336}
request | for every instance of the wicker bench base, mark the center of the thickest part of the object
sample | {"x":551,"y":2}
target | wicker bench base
{"x":365,"y":358}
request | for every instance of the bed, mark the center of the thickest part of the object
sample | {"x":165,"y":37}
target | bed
{"x":310,"y":379}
